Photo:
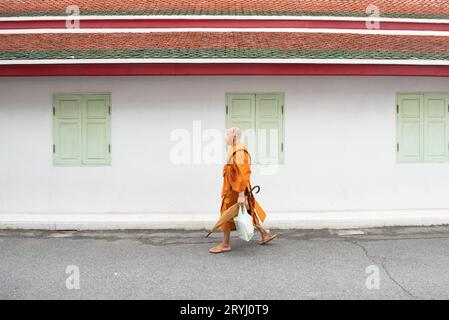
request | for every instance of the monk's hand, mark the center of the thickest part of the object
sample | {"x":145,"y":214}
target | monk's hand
{"x":241,"y":199}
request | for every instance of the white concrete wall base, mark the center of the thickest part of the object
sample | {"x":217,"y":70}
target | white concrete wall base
{"x":282,"y":220}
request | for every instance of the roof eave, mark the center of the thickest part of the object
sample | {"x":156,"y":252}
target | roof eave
{"x":222,"y":69}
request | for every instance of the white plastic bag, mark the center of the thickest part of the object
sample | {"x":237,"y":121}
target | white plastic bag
{"x":244,"y":224}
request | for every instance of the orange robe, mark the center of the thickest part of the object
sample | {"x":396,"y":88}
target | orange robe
{"x":236,"y":179}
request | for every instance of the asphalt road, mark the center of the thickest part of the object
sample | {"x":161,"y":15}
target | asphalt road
{"x":390,"y":263}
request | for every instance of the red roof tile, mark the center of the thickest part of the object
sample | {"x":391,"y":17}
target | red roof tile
{"x":394,"y":8}
{"x":224,"y":40}
{"x":222,"y":45}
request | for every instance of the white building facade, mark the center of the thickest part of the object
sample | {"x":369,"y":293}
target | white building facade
{"x":363,"y":119}
{"x":340,"y":156}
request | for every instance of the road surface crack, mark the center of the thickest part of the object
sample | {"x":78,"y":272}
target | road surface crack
{"x":381,"y":261}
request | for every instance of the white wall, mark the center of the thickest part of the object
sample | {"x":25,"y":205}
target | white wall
{"x":339,"y":147}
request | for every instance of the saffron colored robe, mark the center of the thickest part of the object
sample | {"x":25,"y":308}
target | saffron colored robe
{"x":236,"y":179}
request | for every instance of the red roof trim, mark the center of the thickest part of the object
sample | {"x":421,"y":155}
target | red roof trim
{"x":187,"y":69}
{"x":218,"y":23}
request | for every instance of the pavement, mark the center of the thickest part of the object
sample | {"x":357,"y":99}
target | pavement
{"x":380,"y":263}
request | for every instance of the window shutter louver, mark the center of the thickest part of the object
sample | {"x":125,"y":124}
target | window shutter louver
{"x":410,"y":127}
{"x":435,"y":127}
{"x":96,"y":129}
{"x":67,"y":129}
{"x":269,"y":128}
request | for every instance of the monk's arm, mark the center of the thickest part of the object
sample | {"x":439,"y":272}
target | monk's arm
{"x":242,"y":170}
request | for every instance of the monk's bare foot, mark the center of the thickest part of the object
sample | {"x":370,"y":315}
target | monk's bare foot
{"x":220,"y":248}
{"x":267,"y":237}
{"x":264,"y":233}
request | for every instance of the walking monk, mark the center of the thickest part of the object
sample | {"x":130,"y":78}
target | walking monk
{"x":236,"y":188}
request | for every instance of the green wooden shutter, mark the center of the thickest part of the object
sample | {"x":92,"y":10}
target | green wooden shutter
{"x":96,"y":129}
{"x":410,"y":127}
{"x":269,"y":128}
{"x":435,"y":127}
{"x":67,"y":110}
{"x":240,"y":110}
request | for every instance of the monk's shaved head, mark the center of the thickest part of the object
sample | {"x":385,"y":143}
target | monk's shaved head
{"x":236,"y":131}
{"x":233,"y":135}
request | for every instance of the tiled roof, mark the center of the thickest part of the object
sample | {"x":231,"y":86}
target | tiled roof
{"x":388,"y":8}
{"x":250,"y":45}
